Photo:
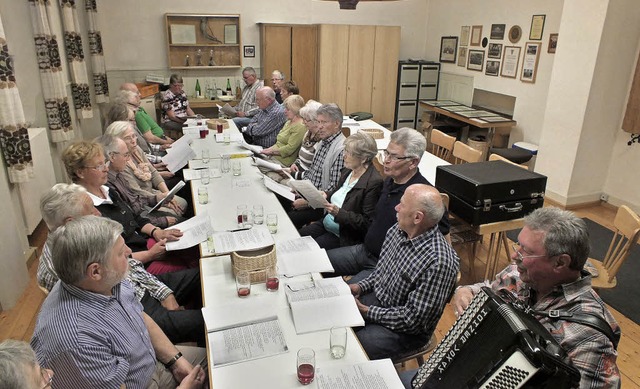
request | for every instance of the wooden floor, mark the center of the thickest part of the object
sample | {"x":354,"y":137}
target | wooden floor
{"x":19,"y":322}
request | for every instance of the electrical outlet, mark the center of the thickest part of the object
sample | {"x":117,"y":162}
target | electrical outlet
{"x":604,"y":197}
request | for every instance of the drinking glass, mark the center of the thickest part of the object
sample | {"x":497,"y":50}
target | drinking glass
{"x":226,"y":137}
{"x":219,"y":128}
{"x":236,"y":167}
{"x":271,"y":278}
{"x":205,"y":156}
{"x":243,"y":283}
{"x":306,"y":365}
{"x":241,"y":215}
{"x":226,"y":165}
{"x":204,"y":131}
{"x":338,"y":342}
{"x":203,"y":195}
{"x":205,"y":176}
{"x":258,"y":214}
{"x":272,"y":222}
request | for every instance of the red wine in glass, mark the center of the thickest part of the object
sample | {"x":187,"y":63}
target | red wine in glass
{"x":272,"y":283}
{"x":306,"y":373}
{"x":244,"y":292}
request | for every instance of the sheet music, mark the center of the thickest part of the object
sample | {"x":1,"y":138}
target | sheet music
{"x":296,"y":263}
{"x":378,"y":374}
{"x":297,"y":245}
{"x":194,"y":231}
{"x":251,"y":239}
{"x":169,"y":196}
{"x":239,"y":312}
{"x":278,"y":188}
{"x":309,"y":192}
{"x":228,"y":110}
{"x":254,"y":148}
{"x":179,"y":154}
{"x":267,"y":164}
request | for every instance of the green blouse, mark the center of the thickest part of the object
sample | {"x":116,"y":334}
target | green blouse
{"x":289,"y":141}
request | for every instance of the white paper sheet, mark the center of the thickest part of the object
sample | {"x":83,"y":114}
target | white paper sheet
{"x":254,"y":238}
{"x":297,"y":245}
{"x":228,"y":110}
{"x":238,"y":312}
{"x":196,"y":174}
{"x":179,"y":154}
{"x":254,"y":148}
{"x":235,"y":137}
{"x":194,"y":232}
{"x":378,"y":374}
{"x":169,"y":196}
{"x":307,"y":190}
{"x":278,"y":188}
{"x":267,"y":164}
{"x":297,"y":263}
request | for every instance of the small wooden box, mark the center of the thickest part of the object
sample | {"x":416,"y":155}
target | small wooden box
{"x":147,"y":89}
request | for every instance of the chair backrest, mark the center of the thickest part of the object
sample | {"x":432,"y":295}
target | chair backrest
{"x":627,"y":225}
{"x":445,"y":201}
{"x":464,"y":153}
{"x":442,"y":144}
{"x":379,"y":165}
{"x":346,"y":131}
{"x":496,"y":157}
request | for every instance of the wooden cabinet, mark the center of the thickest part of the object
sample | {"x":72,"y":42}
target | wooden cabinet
{"x":357,"y":68}
{"x":196,"y":41}
{"x":292,"y":49}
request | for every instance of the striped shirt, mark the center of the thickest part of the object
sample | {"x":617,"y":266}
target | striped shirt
{"x":141,"y":279}
{"x":248,"y":103}
{"x":412,"y":281}
{"x":305,"y":156}
{"x":94,"y":341}
{"x":590,"y":350}
{"x":266,"y":125}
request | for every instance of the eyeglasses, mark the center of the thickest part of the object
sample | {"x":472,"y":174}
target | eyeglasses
{"x":102,"y":167}
{"x":126,"y":155}
{"x":47,"y":377}
{"x":323,"y":122}
{"x":308,"y":120}
{"x":520,"y":257}
{"x":394,"y":157}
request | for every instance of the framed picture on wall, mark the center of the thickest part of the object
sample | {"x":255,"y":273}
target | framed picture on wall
{"x":448,"y":49}
{"x":465,"y":31}
{"x":476,"y":60}
{"x":493,"y":67}
{"x":553,"y":43}
{"x":537,"y":27}
{"x":495,"y":50}
{"x":249,"y":51}
{"x":510,"y":61}
{"x":530,"y":62}
{"x":497,"y":31}
{"x":462,"y":56}
{"x":515,"y":33}
{"x":476,"y":35}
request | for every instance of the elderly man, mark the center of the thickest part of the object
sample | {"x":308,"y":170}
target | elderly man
{"x":163,"y":298}
{"x":277,"y":78}
{"x":248,"y":105}
{"x":147,"y":126}
{"x":547,"y":276}
{"x":19,"y":368}
{"x":328,"y":161}
{"x":403,"y":299}
{"x":402,"y":157}
{"x":267,"y":123}
{"x":91,"y":329}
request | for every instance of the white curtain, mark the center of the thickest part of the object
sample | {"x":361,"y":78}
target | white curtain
{"x":97,"y":56}
{"x":14,"y":138}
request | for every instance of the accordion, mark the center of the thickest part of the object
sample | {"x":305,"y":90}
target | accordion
{"x":495,"y":344}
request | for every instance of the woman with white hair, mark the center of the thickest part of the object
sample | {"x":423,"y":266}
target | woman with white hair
{"x":19,"y":368}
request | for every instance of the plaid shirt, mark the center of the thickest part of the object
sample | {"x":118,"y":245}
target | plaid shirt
{"x":248,"y":103}
{"x":589,"y":350}
{"x":266,"y":125}
{"x":141,"y":280}
{"x":412,"y":281}
{"x":314,"y":174}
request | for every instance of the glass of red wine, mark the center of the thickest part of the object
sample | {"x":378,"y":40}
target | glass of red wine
{"x":271,"y":279}
{"x":306,"y":365}
{"x":243,"y":283}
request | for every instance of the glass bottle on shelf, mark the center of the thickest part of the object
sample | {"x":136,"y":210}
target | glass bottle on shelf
{"x":238,"y":89}
{"x":229,"y":91}
{"x":198,"y":90}
{"x":216,"y":91}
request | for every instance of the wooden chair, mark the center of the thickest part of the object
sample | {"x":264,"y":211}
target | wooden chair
{"x":463,"y":153}
{"x":417,"y":354}
{"x":496,"y":157}
{"x":627,"y":225}
{"x":346,"y":131}
{"x":441,"y":144}
{"x":461,"y":233}
{"x":378,"y":163}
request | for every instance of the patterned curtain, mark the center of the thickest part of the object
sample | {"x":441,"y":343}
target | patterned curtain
{"x":97,"y":56}
{"x":14,"y":138}
{"x":75,"y":59}
{"x":53,"y":83}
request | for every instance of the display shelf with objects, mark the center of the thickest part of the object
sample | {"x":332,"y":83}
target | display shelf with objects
{"x":201,"y":41}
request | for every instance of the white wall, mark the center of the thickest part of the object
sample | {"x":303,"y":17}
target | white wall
{"x":445,"y":17}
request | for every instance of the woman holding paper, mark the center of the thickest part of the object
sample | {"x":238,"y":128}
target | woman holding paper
{"x":142,"y":176}
{"x":310,"y":141}
{"x":86,"y":165}
{"x":289,"y":139}
{"x":351,"y":205}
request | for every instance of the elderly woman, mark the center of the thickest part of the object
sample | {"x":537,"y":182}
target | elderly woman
{"x":351,"y":205}
{"x":289,"y":88}
{"x":175,"y":107}
{"x":149,"y":129}
{"x":142,"y":176}
{"x":86,"y":165}
{"x":289,"y":139}
{"x":19,"y":367}
{"x":310,"y":141}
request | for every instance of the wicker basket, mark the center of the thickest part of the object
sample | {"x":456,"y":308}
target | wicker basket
{"x":212,"y":123}
{"x":375,"y":133}
{"x":254,"y":261}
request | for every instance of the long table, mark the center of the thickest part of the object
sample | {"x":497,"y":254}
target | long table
{"x":218,"y":283}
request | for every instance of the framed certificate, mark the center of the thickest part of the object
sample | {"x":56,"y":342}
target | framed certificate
{"x":537,"y":27}
{"x":230,"y":34}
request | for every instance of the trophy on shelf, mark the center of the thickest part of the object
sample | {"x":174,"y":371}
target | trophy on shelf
{"x":187,"y":60}
{"x":211,"y":61}
{"x":199,"y":57}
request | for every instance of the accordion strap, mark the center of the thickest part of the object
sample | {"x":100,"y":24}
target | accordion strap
{"x":586,"y":319}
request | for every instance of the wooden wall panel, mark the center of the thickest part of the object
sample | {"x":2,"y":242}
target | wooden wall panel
{"x":360,"y":68}
{"x":385,"y":63}
{"x":332,"y":63}
{"x":304,"y":57}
